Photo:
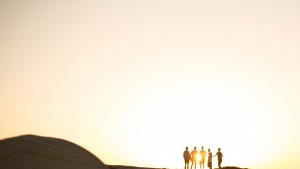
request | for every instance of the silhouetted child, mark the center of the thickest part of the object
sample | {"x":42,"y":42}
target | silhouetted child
{"x":194,"y":159}
{"x":220,"y":156}
{"x":209,"y":161}
{"x":187,"y":157}
{"x":202,"y":160}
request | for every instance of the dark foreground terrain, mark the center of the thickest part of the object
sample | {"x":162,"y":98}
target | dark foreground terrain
{"x":133,"y":167}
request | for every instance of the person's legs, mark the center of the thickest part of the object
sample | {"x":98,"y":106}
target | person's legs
{"x":209,"y":165}
{"x":186,"y":164}
{"x":219,"y":163}
{"x":202,"y":163}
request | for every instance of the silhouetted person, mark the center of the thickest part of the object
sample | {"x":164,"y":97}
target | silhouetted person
{"x":220,"y":156}
{"x":194,"y":159}
{"x":209,"y":160}
{"x":187,"y":157}
{"x":203,"y":154}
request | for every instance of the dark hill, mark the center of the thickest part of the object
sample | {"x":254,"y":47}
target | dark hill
{"x":30,"y":151}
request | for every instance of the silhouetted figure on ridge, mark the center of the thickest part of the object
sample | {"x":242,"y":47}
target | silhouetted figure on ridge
{"x":209,"y":160}
{"x":194,"y":159}
{"x":187,"y":157}
{"x":220,"y":156}
{"x":202,"y":160}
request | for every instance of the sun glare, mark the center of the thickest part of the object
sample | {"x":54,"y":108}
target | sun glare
{"x":198,"y":157}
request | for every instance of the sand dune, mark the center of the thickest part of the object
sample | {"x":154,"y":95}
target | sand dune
{"x":30,"y":151}
{"x":134,"y":167}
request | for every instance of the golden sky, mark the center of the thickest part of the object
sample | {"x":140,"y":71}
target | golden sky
{"x":135,"y":81}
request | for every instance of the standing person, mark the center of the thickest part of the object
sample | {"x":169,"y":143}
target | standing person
{"x":209,"y":161}
{"x":220,"y":156}
{"x":203,"y":154}
{"x":194,"y":159}
{"x":187,"y":157}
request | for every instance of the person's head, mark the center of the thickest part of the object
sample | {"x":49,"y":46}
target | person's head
{"x":202,"y":147}
{"x":219,"y":149}
{"x":209,"y":150}
{"x":186,"y":148}
{"x":195,"y":148}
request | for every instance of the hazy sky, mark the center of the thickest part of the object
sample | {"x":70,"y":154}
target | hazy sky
{"x":135,"y":81}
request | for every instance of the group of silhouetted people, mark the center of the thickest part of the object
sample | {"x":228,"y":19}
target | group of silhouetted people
{"x":192,"y":157}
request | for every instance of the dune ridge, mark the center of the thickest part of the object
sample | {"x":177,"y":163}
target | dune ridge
{"x":135,"y":167}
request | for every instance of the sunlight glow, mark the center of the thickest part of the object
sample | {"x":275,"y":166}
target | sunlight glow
{"x":198,"y":158}
{"x":137,"y":81}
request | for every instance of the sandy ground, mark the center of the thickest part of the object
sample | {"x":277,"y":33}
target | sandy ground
{"x":133,"y":167}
